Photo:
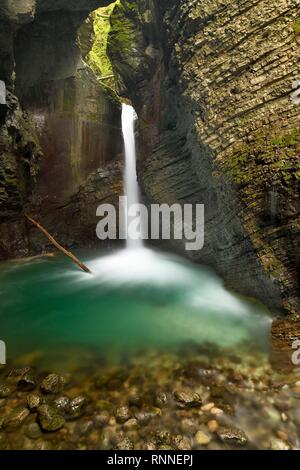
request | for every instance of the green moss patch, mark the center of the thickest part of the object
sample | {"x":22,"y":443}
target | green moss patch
{"x":270,"y":156}
{"x":296,"y":27}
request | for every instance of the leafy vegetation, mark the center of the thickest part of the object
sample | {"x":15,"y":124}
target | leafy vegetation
{"x":296,"y":27}
{"x":272,"y":156}
{"x":97,"y":57}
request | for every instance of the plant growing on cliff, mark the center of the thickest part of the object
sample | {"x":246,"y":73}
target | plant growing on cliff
{"x":296,"y":27}
{"x":97,"y":58}
{"x":270,"y":157}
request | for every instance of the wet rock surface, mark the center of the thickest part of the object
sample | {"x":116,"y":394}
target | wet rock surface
{"x":153,"y":401}
{"x":49,"y":418}
{"x":219,"y":126}
{"x":53,"y":383}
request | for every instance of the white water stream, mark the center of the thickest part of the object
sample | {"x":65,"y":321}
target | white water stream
{"x":134,"y":236}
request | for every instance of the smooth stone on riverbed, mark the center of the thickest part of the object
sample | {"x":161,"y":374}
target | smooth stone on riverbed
{"x":162,"y":437}
{"x":83,"y":428}
{"x":232,"y":436}
{"x":131,"y":424}
{"x":4,"y":444}
{"x":76,"y":408}
{"x":123,"y":414}
{"x":49,"y":418}
{"x":33,"y":431}
{"x":101,"y":419}
{"x":15,"y":419}
{"x":125,"y":444}
{"x":279,"y":444}
{"x":34,"y":401}
{"x":187,"y":398}
{"x":212,"y":425}
{"x":18,"y":372}
{"x":202,"y":438}
{"x":53,"y":383}
{"x":27,"y":383}
{"x":62,"y":403}
{"x":161,"y":399}
{"x":5,"y":391}
{"x":181,"y":442}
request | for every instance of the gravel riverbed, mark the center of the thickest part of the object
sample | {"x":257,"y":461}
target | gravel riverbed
{"x":152,"y":400}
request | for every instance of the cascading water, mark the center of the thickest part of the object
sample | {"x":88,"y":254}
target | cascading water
{"x":136,"y":296}
{"x":134,"y":237}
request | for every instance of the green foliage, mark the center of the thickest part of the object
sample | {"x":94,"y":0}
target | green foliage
{"x":296,"y":27}
{"x":272,"y":156}
{"x":97,"y":57}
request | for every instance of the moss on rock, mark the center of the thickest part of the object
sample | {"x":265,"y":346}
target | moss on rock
{"x":296,"y":27}
{"x":126,"y":43}
{"x":97,"y":57}
{"x":270,"y":158}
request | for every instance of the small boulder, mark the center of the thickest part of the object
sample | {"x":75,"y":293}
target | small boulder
{"x":27,"y":383}
{"x":202,"y":438}
{"x":15,"y":419}
{"x":33,"y":431}
{"x":62,"y":403}
{"x":53,"y":383}
{"x":49,"y":418}
{"x":34,"y":401}
{"x":76,"y":408}
{"x":124,"y":444}
{"x":123,"y":414}
{"x":5,"y":391}
{"x":232,"y":436}
{"x":187,"y":399}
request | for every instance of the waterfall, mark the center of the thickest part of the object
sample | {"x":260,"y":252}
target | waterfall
{"x":134,"y":238}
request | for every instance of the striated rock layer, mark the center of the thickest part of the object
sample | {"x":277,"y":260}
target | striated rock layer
{"x":215,"y":84}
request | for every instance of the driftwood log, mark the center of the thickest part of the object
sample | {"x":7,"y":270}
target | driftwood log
{"x":58,"y":245}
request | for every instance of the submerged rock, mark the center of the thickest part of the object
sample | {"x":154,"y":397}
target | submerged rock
{"x":161,"y":399}
{"x":279,"y":444}
{"x":5,"y":391}
{"x":187,"y":398}
{"x":76,"y":407}
{"x":124,"y":444}
{"x":4,"y":444}
{"x":101,"y":419}
{"x":123,"y":414}
{"x":212,"y":425}
{"x":49,"y":418}
{"x":181,"y":442}
{"x":18,"y":372}
{"x":34,"y":401}
{"x":53,"y":383}
{"x":62,"y":403}
{"x":27,"y":383}
{"x":15,"y":419}
{"x":202,"y":438}
{"x":232,"y":436}
{"x":162,"y":437}
{"x":33,"y":431}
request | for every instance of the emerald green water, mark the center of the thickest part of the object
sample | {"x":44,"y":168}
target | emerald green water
{"x":135,"y":298}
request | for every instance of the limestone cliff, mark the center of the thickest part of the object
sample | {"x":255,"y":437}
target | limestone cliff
{"x":215,"y":86}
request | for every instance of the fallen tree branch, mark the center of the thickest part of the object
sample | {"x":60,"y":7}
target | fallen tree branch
{"x":58,"y":246}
